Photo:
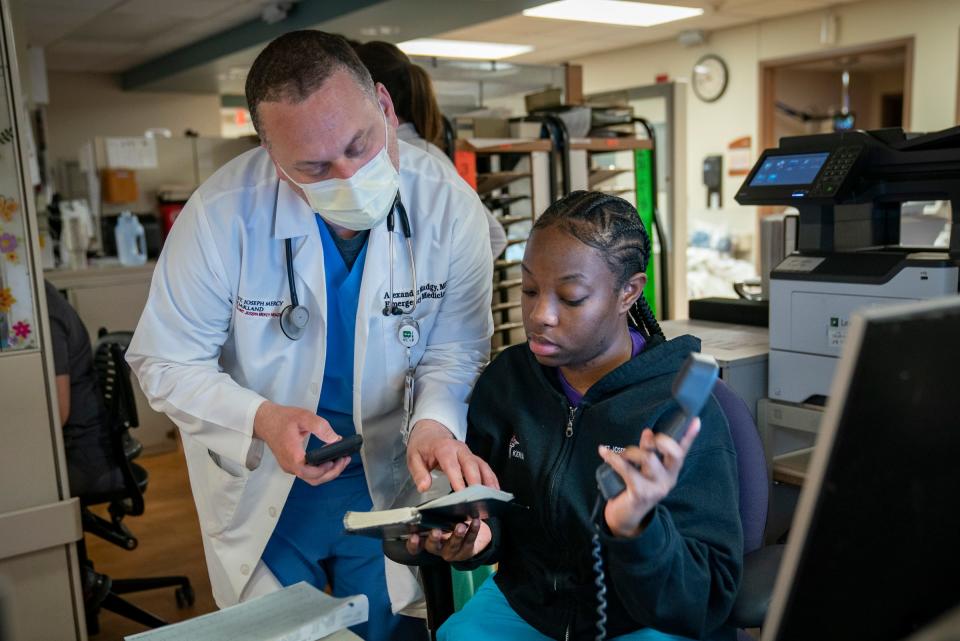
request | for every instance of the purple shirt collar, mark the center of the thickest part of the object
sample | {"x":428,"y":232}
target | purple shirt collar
{"x":573,"y":396}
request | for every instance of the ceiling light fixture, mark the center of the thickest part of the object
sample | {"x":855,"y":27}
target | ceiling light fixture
{"x":617,"y":12}
{"x":465,"y":49}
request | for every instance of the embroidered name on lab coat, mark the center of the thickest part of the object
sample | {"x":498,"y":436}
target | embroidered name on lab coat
{"x":254,"y":307}
{"x":427,"y":290}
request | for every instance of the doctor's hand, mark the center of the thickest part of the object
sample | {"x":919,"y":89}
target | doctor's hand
{"x":648,"y":480}
{"x":284,"y":429}
{"x":466,"y":541}
{"x":431,"y":445}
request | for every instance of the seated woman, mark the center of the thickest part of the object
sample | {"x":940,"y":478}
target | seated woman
{"x":595,"y":374}
{"x":91,"y":466}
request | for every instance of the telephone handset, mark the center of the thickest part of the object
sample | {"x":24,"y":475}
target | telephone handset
{"x":691,"y":389}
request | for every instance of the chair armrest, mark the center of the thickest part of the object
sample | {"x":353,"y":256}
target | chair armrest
{"x":756,"y":587}
{"x":435,"y":579}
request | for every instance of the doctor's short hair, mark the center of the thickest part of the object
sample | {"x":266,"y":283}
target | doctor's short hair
{"x":292,"y":67}
{"x":612,"y":226}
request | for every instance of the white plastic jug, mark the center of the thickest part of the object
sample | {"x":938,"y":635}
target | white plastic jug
{"x":131,"y":240}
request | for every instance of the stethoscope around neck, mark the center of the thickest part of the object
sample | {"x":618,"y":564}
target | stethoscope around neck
{"x":295,"y":317}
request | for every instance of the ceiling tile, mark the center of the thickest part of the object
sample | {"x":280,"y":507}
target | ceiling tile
{"x":86,"y":6}
{"x":72,"y":46}
{"x":128,"y":27}
{"x":44,"y":25}
{"x":190,"y":9}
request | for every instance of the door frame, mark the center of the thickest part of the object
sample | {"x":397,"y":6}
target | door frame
{"x":769,"y":67}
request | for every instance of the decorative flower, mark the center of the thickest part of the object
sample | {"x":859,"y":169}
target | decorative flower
{"x":12,"y":257}
{"x":8,"y":207}
{"x":6,"y":300}
{"x":21,"y":329}
{"x":8,"y":243}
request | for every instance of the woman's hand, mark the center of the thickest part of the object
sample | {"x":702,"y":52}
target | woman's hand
{"x":648,"y":480}
{"x":465,"y":541}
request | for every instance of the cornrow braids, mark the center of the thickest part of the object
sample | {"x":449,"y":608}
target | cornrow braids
{"x":612,"y":226}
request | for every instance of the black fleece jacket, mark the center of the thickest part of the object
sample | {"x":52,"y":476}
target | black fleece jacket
{"x":679,"y":576}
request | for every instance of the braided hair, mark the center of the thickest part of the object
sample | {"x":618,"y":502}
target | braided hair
{"x":612,"y":226}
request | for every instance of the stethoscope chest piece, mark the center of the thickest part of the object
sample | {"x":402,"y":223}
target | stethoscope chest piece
{"x":408,"y":331}
{"x":293,"y":321}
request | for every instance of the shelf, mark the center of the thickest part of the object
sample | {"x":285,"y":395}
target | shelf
{"x":499,"y":202}
{"x":506,"y":221}
{"x":506,"y":327}
{"x":507,"y":284}
{"x":505,"y":264}
{"x":503,"y":307}
{"x":601,"y":145}
{"x":497,"y":350}
{"x":791,"y":468}
{"x":516,"y":241}
{"x":498,"y":180}
{"x":616,"y":192}
{"x":598,"y":176}
{"x":502,"y":145}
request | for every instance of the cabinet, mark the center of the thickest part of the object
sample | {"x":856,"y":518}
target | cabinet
{"x":113,"y":296}
{"x":40,"y":597}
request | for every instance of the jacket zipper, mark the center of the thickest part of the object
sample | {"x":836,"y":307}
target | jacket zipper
{"x":554,"y":484}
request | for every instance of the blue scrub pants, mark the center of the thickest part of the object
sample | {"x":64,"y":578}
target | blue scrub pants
{"x":316,"y":550}
{"x":488,"y":617}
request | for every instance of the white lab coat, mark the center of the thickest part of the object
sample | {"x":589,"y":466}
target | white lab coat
{"x":209,"y":349}
{"x":498,"y":236}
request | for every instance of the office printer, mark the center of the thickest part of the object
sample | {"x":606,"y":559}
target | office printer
{"x":848,"y":188}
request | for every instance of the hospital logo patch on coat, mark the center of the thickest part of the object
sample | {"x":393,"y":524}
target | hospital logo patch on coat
{"x":259,"y":307}
{"x":513,"y":450}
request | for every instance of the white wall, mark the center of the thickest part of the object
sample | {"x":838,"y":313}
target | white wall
{"x":84,"y":105}
{"x":935,"y":25}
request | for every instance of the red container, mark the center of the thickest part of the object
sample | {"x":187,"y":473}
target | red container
{"x":169,"y":210}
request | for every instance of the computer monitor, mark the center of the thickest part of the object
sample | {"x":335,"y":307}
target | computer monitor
{"x":946,"y":628}
{"x":874,"y":550}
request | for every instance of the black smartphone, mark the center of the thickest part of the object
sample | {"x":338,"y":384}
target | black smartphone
{"x":338,"y":449}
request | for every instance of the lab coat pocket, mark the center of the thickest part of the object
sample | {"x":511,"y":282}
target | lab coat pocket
{"x":225,"y":484}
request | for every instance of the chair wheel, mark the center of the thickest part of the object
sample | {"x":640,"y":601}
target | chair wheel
{"x":185,"y":596}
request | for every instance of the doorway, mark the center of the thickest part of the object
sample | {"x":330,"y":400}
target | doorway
{"x":864,"y":87}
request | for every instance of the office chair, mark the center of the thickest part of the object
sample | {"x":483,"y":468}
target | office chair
{"x":113,"y":381}
{"x":760,"y":564}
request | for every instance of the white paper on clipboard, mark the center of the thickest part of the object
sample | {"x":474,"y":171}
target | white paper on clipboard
{"x":296,"y":613}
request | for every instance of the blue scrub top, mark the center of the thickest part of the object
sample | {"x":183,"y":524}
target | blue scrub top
{"x":336,"y":394}
{"x":303,"y":514}
{"x":343,"y":296}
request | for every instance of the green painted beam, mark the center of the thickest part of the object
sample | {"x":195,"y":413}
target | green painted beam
{"x":231,"y":100}
{"x":303,"y":15}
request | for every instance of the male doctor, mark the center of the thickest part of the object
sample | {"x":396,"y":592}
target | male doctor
{"x":248,"y":393}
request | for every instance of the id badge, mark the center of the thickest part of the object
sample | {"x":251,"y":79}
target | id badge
{"x":408,"y":385}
